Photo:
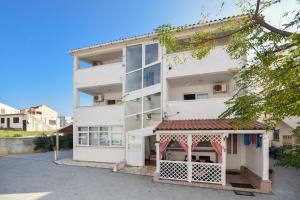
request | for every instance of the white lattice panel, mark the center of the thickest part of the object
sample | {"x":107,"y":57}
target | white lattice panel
{"x":206,"y":138}
{"x":207,"y":172}
{"x":167,"y":138}
{"x":174,"y":170}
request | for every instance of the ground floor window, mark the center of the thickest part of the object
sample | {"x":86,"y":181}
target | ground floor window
{"x":16,"y":120}
{"x":276,"y":134}
{"x":103,"y":136}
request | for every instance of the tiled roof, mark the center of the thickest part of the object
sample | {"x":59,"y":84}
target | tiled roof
{"x":150,"y":34}
{"x":208,"y":124}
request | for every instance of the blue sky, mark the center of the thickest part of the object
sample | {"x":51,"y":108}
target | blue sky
{"x":35,"y":37}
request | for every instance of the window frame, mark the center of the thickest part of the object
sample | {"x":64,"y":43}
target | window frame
{"x":109,"y":131}
{"x":16,"y":120}
{"x":2,"y":120}
{"x":195,"y":93}
{"x":144,"y":111}
{"x":276,"y":132}
{"x":144,"y":66}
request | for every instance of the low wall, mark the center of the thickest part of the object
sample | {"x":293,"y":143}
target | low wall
{"x":16,"y":145}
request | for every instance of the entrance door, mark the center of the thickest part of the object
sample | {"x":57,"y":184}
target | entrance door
{"x":150,"y":150}
{"x":8,"y":122}
{"x":24,"y":125}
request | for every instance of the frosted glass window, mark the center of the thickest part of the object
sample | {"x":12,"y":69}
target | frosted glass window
{"x":151,"y":53}
{"x":134,"y":143}
{"x":152,"y":101}
{"x":104,"y":139}
{"x":133,"y":106}
{"x":152,"y":118}
{"x":151,"y":75}
{"x":202,"y":96}
{"x":93,"y":137}
{"x":134,"y":81}
{"x":133,"y":122}
{"x":133,"y":58}
{"x":82,"y":138}
{"x":116,"y":139}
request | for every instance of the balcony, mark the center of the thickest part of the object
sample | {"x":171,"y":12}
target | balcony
{"x":107,"y":74}
{"x":97,"y":115}
{"x":197,"y":109}
{"x":217,"y":61}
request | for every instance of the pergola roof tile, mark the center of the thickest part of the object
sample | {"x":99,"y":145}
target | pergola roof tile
{"x":209,"y":124}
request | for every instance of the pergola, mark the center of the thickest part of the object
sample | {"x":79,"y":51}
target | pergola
{"x":68,"y":129}
{"x":188,"y":133}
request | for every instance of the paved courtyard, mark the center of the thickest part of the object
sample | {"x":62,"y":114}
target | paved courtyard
{"x":35,"y":176}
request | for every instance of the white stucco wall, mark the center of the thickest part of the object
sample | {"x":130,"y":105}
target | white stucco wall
{"x":218,"y":60}
{"x":198,"y":109}
{"x":98,"y":75}
{"x":253,"y":159}
{"x":99,"y":115}
{"x":97,"y":154}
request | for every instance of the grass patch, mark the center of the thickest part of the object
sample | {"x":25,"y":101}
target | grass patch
{"x":19,"y":133}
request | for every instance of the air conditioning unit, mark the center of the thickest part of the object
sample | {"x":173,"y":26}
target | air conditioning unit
{"x":99,"y":98}
{"x":148,"y":116}
{"x":219,"y":88}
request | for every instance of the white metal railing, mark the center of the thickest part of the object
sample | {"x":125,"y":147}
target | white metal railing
{"x":194,"y":171}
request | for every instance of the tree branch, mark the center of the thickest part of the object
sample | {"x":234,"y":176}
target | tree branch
{"x":272,"y":28}
{"x":257,"y":8}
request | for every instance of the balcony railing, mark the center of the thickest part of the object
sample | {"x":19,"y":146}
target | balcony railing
{"x":197,"y":109}
{"x":98,"y":75}
{"x":99,"y":115}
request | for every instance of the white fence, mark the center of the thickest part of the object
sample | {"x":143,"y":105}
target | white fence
{"x":194,"y":171}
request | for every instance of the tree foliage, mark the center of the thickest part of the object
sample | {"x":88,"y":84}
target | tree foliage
{"x":268,"y":85}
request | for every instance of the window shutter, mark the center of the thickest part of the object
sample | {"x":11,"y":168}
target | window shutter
{"x":229,"y":144}
{"x":234,"y":146}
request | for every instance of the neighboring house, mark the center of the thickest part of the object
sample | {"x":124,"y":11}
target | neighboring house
{"x":6,"y":109}
{"x":146,"y":109}
{"x":36,"y":118}
{"x":283,"y":133}
{"x":64,"y":121}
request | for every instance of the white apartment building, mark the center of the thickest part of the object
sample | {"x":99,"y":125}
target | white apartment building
{"x":146,"y":109}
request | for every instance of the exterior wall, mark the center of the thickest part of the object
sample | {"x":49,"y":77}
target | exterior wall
{"x":254,"y":160}
{"x":5,"y":109}
{"x":16,"y":145}
{"x":218,"y":60}
{"x":198,"y":109}
{"x":110,"y":155}
{"x":98,"y":75}
{"x":176,"y":93}
{"x":98,"y":115}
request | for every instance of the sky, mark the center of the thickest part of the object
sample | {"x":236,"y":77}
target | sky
{"x":35,"y":37}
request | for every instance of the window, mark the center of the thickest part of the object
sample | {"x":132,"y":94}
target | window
{"x":151,"y":53}
{"x":143,"y":112}
{"x":232,"y":144}
{"x":133,"y":58}
{"x":202,"y":96}
{"x":134,"y":143}
{"x":16,"y":120}
{"x":2,"y":120}
{"x":194,"y":96}
{"x":151,"y":75}
{"x":142,"y":66}
{"x":52,"y":122}
{"x":82,"y":135}
{"x":276,"y":133}
{"x":189,"y":96}
{"x":103,"y":136}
